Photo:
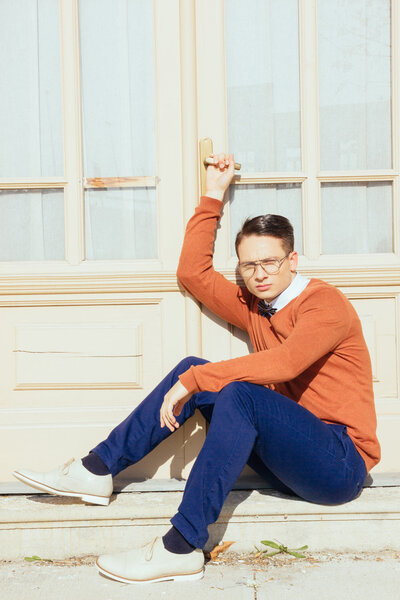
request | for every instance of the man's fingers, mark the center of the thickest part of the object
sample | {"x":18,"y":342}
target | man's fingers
{"x":170,"y":414}
{"x":166,"y":421}
{"x":221,"y":160}
{"x":163,"y":419}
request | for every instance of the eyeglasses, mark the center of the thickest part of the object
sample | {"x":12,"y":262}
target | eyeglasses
{"x":271,"y":266}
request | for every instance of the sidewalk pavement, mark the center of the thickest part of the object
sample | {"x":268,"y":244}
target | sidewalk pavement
{"x":322,"y":576}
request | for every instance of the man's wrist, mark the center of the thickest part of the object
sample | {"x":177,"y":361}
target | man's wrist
{"x":217,"y":194}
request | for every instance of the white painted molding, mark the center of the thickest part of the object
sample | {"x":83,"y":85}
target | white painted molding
{"x":98,"y":283}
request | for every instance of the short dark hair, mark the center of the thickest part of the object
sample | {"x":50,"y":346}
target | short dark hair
{"x":274,"y":225}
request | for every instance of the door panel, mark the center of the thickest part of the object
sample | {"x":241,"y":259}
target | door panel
{"x":74,"y":370}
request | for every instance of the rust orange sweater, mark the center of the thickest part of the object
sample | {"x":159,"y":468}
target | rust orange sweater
{"x":312,"y":350}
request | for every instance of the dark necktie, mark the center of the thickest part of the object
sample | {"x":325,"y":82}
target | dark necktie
{"x":265,"y":309}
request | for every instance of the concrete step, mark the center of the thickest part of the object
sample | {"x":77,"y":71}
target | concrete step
{"x":59,"y":527}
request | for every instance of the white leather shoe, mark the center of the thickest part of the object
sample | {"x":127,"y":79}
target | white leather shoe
{"x":70,"y":479}
{"x":150,"y":563}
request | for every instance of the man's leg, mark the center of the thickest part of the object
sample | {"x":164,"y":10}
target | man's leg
{"x":91,"y":477}
{"x":317,"y":461}
{"x":205,"y":403}
{"x":141,"y":432}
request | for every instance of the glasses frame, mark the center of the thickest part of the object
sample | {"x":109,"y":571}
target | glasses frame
{"x":277,"y":262}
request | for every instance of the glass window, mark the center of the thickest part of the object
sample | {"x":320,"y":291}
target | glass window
{"x":262,"y":78}
{"x":254,"y":200}
{"x":30,"y":83}
{"x":118,"y":105}
{"x":356,"y":217}
{"x":354,"y":84}
{"x":117,"y":64}
{"x":121,"y":223}
{"x":32,"y":225}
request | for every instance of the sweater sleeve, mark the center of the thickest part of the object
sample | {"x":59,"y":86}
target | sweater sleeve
{"x":322,"y":322}
{"x":196,"y":273}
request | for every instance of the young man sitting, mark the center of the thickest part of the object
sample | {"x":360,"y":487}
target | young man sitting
{"x":299,"y":410}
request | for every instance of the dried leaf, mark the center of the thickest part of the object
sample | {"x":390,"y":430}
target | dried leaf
{"x":219,"y":548}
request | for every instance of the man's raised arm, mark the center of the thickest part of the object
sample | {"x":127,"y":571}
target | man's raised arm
{"x":195,"y":271}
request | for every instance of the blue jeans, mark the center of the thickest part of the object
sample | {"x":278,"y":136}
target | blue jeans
{"x":285,"y":443}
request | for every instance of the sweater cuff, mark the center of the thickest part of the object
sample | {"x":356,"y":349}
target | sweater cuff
{"x":187,"y":379}
{"x":212,"y":204}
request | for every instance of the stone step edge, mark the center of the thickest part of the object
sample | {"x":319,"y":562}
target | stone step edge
{"x":30,"y":511}
{"x":252,"y":482}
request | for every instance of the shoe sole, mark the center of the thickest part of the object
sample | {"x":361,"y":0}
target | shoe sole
{"x":174,"y":577}
{"x":102,"y":500}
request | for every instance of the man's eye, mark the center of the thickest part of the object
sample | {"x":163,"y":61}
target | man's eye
{"x":268,"y":262}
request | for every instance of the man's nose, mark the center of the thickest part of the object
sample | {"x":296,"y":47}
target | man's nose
{"x":259,"y":272}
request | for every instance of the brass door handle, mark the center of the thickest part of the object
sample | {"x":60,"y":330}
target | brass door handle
{"x":205,"y":149}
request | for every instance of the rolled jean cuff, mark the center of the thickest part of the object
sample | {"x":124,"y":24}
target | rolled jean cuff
{"x":188,"y":531}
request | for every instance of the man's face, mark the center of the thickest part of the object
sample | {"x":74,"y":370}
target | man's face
{"x":260,"y":247}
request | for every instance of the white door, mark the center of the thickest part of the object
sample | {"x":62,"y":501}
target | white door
{"x":305,"y":94}
{"x":98,"y":175}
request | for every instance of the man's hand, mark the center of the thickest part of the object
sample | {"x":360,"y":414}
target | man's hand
{"x":174,"y":401}
{"x":219,"y":175}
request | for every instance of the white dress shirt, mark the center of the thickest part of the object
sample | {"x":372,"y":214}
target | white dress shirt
{"x":298,"y":284}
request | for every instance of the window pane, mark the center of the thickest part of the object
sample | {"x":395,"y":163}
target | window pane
{"x":262,"y":71}
{"x":30,"y":83}
{"x":32,"y":225}
{"x":117,"y":62}
{"x":356,"y":217}
{"x":354,"y":84}
{"x":254,"y":200}
{"x":121,"y":223}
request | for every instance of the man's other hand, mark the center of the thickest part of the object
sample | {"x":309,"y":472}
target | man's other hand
{"x":174,"y":401}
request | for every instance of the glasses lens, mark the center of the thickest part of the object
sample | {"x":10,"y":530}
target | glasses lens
{"x":270,"y":267}
{"x":247,"y":270}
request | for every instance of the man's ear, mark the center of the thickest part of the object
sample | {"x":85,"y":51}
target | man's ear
{"x":293,"y":261}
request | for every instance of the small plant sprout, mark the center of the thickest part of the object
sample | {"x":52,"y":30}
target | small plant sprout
{"x":280,"y":548}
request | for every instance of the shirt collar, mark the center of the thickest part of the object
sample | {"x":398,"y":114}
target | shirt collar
{"x":295,"y":288}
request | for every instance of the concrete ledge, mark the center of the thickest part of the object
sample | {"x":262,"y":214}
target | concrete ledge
{"x":56,"y":527}
{"x":249,"y":482}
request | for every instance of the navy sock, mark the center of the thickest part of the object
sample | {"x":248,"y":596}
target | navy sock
{"x":93,"y":463}
{"x":174,"y":541}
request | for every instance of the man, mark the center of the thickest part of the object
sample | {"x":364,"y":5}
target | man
{"x":299,"y":411}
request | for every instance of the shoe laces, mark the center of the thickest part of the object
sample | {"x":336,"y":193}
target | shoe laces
{"x":149,"y":553}
{"x":65,"y":467}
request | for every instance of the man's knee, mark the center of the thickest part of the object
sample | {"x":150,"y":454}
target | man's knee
{"x":237,"y":388}
{"x":238,"y":392}
{"x":189,"y":361}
